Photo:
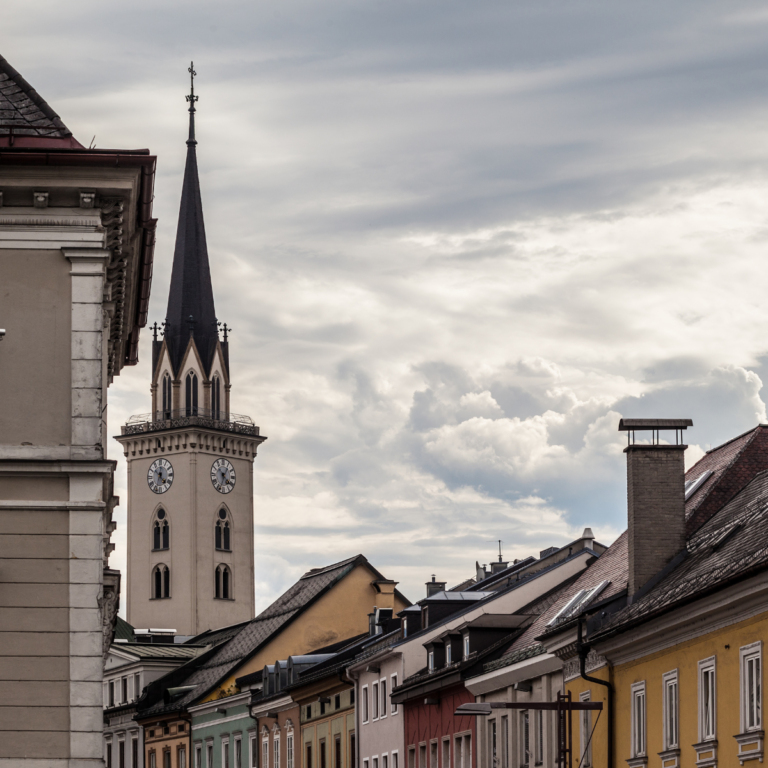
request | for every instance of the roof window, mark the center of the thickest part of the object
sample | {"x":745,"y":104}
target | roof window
{"x":691,"y":486}
{"x":577,"y":603}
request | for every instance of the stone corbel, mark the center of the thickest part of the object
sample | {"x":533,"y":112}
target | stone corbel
{"x":670,"y":758}
{"x":750,"y":746}
{"x":706,"y":754}
{"x":109,"y":603}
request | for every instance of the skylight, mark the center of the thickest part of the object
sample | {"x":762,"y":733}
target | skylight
{"x":691,"y":486}
{"x":577,"y":603}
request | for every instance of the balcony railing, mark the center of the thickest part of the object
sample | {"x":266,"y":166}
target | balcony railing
{"x":194,"y":417}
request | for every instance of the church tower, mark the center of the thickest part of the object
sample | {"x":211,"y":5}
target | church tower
{"x":190,"y":461}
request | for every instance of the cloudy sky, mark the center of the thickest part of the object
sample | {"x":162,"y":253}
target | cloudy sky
{"x":456,"y":241}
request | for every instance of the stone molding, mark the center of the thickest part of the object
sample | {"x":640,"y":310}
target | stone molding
{"x":571,"y":668}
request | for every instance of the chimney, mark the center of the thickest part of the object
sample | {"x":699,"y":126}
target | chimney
{"x":588,"y":538}
{"x":433,"y":587}
{"x":655,"y":497}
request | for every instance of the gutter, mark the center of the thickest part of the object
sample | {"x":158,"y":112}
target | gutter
{"x":583,"y":650}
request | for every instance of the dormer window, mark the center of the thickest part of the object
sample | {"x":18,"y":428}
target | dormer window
{"x":431,"y":661}
{"x":466,"y":646}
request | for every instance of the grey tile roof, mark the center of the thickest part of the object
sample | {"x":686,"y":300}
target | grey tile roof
{"x":22,"y":107}
{"x":171,"y":651}
{"x":731,"y":546}
{"x":230,"y":655}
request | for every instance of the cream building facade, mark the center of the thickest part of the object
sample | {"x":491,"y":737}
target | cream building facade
{"x":76,"y":249}
{"x":190,"y":460}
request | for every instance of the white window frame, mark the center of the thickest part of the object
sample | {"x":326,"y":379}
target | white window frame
{"x":504,"y":741}
{"x":383,"y":697}
{"x":707,"y":667}
{"x":366,"y":709}
{"x":751,"y":653}
{"x":276,"y":749}
{"x":238,"y":746}
{"x":392,"y":685}
{"x":585,"y":730}
{"x":374,"y":761}
{"x":670,"y":680}
{"x":265,"y":751}
{"x":394,"y":759}
{"x":198,"y":754}
{"x":209,"y":753}
{"x":639,"y":720}
{"x":384,"y":760}
{"x":524,"y":722}
{"x":225,"y":752}
{"x":289,"y":749}
{"x":539,"y":735}
{"x":375,"y":701}
{"x":253,"y":749}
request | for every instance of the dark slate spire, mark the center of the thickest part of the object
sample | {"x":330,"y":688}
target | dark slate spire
{"x":190,"y":304}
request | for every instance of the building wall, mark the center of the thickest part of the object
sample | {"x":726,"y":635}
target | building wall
{"x":191,"y":505}
{"x":328,"y":733}
{"x":222,"y":732}
{"x":340,"y":613}
{"x":168,"y":735}
{"x":268,"y":729}
{"x":383,"y":734}
{"x":427,"y":725}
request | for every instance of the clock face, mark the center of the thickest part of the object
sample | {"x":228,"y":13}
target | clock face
{"x":223,"y":476}
{"x":160,"y":476}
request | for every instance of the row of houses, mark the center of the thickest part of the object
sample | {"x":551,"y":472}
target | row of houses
{"x":648,"y":651}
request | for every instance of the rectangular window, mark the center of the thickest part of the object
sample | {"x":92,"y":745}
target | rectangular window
{"x":365,"y":763}
{"x":225,"y":753}
{"x":181,"y":757}
{"x":337,"y":701}
{"x":505,"y":742}
{"x":323,"y":756}
{"x":275,"y":753}
{"x":209,"y":755}
{"x":265,"y":753}
{"x":121,"y":755}
{"x":352,"y":751}
{"x":466,"y":646}
{"x":308,"y":754}
{"x":393,"y":683}
{"x":309,"y":711}
{"x":525,"y":738}
{"x":638,"y":719}
{"x":446,"y":756}
{"x":493,"y":746}
{"x":751,"y":687}
{"x":167,"y":758}
{"x":238,"y":753}
{"x":135,"y":752}
{"x":109,"y":754}
{"x":585,"y":732}
{"x":254,"y":746}
{"x":422,"y":756}
{"x":136,"y":685}
{"x":466,"y":750}
{"x":337,"y":751}
{"x":411,"y":757}
{"x":199,"y":756}
{"x":670,"y":710}
{"x":351,"y":697}
{"x":457,"y":752}
{"x":375,"y":762}
{"x":124,"y":686}
{"x":383,"y":690}
{"x":394,"y":760}
{"x":111,"y":693}
{"x":375,"y":701}
{"x":707,"y":700}
{"x":433,"y":754}
{"x":289,"y":749}
{"x":384,"y":761}
{"x":365,"y":703}
{"x":153,"y":759}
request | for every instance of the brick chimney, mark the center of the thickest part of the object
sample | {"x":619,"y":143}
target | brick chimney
{"x":433,"y":587}
{"x":655,"y":497}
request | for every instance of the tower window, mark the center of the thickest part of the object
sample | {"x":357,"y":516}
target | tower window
{"x":161,"y":582}
{"x":223,"y":532}
{"x":223,"y":588}
{"x":191,"y":394}
{"x":161,"y":534}
{"x":166,"y":396}
{"x":216,"y":397}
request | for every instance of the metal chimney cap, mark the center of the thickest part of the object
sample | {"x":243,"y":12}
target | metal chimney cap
{"x":638,"y":425}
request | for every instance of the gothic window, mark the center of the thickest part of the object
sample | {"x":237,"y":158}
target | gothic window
{"x":223,"y":532}
{"x":191,"y":394}
{"x":161,"y":534}
{"x":166,"y":396}
{"x":216,"y":397}
{"x":161,"y":582}
{"x":223,"y":583}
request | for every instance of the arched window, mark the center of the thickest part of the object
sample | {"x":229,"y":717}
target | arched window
{"x":191,"y":394}
{"x":161,"y":532}
{"x":223,"y":533}
{"x":166,"y":396}
{"x":161,"y":582}
{"x":216,"y":397}
{"x":223,"y":583}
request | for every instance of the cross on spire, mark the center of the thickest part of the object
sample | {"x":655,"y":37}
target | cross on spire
{"x":191,"y":99}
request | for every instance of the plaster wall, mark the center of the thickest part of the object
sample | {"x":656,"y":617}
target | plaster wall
{"x":383,"y":734}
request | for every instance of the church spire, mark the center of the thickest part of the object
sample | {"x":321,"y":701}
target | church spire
{"x":191,"y":311}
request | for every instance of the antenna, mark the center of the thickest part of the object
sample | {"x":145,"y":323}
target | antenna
{"x":500,"y":542}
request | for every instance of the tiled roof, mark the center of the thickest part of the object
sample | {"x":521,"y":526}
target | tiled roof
{"x":124,"y":631}
{"x":731,"y":546}
{"x":255,"y":633}
{"x":157,"y":651}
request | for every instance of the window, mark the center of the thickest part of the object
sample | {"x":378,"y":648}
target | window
{"x":433,"y":754}
{"x":321,"y":750}
{"x":351,"y":697}
{"x":394,"y":760}
{"x":422,"y":756}
{"x":308,"y":754}
{"x":585,"y":732}
{"x":751,"y":687}
{"x":375,"y":700}
{"x":191,"y":394}
{"x":124,"y":687}
{"x":707,"y":700}
{"x":135,"y":752}
{"x":384,"y":762}
{"x":505,"y":742}
{"x":309,"y":712}
{"x":466,"y":646}
{"x":431,"y":661}
{"x":265,"y":753}
{"x":276,"y":751}
{"x":337,"y":701}
{"x":111,"y":693}
{"x":337,"y":751}
{"x":223,"y":532}
{"x":393,"y":682}
{"x":161,"y":538}
{"x":216,"y":397}
{"x":289,"y":749}
{"x":224,"y":753}
{"x":638,"y":719}
{"x":209,"y":755}
{"x":352,"y":751}
{"x":457,"y":752}
{"x":254,"y":750}
{"x":383,"y":689}
{"x":109,"y":754}
{"x":448,"y":654}
{"x":136,"y":685}
{"x":577,"y":603}
{"x":446,"y":758}
{"x":375,"y":762}
{"x":411,"y":757}
{"x":167,"y":758}
{"x":198,"y":756}
{"x":670,"y":710}
{"x":166,"y":404}
{"x":493,"y":746}
{"x":153,"y":759}
{"x":238,"y":752}
{"x":525,"y":738}
{"x":223,"y":587}
{"x":365,"y":703}
{"x":182,"y":757}
{"x":161,"y":582}
{"x":539,"y":737}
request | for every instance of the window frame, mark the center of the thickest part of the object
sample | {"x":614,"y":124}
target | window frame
{"x":225,"y":752}
{"x":668,"y":680}
{"x":707,"y":669}
{"x":375,"y":700}
{"x":525,"y":738}
{"x":638,"y":735}
{"x":394,"y":709}
{"x":365,"y":708}
{"x":276,"y":749}
{"x":289,"y":757}
{"x":585,"y":730}
{"x":383,"y":698}
{"x":750,"y":653}
{"x":465,"y":646}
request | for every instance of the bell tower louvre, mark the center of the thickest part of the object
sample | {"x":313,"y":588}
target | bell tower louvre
{"x":190,"y":461}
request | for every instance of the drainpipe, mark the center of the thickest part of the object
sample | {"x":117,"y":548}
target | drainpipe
{"x":583,"y":650}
